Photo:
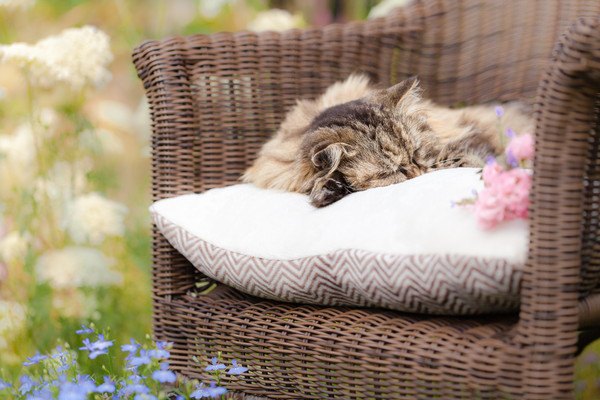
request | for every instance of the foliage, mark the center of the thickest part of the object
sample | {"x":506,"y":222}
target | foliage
{"x":143,"y":374}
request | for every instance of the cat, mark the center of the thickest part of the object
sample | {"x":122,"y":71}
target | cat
{"x":355,"y":137}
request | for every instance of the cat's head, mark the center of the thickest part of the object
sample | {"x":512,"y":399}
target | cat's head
{"x":378,"y":140}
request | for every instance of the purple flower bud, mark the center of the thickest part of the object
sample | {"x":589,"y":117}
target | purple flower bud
{"x":511,"y":159}
{"x":510,"y":133}
{"x":490,"y":160}
{"x":499,"y":111}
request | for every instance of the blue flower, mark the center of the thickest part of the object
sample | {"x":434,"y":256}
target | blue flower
{"x":163,"y":345}
{"x":159,"y":354}
{"x":26,"y":384}
{"x":102,"y":344}
{"x":130,"y":348}
{"x":145,"y":397}
{"x":215,"y":391}
{"x":136,"y":386}
{"x":4,"y":385}
{"x":142,"y":359}
{"x":84,"y":330}
{"x":212,"y":391}
{"x":200,"y":392}
{"x":73,"y":391}
{"x":41,"y":394}
{"x":163,"y":375}
{"x":86,"y":383}
{"x":35,"y":359}
{"x":236,"y":369}
{"x":96,"y":348}
{"x":215,"y":366}
{"x":499,"y":111}
{"x":107,"y":387}
{"x":59,"y":353}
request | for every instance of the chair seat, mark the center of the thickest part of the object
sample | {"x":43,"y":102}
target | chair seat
{"x":302,"y":351}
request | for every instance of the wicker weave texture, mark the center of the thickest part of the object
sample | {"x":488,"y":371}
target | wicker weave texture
{"x":215,"y":100}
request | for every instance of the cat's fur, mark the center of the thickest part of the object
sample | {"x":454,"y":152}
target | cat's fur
{"x":355,"y":137}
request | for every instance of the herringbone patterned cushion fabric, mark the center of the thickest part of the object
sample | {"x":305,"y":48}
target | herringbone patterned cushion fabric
{"x":421,"y":283}
{"x":435,"y":284}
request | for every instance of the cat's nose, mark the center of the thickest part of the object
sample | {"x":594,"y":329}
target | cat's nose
{"x":332,"y":191}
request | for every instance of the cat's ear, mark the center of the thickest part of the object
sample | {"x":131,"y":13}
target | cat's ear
{"x":329,"y":158}
{"x":405,"y":94}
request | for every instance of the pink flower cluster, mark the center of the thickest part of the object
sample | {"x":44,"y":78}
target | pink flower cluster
{"x":505,"y":195}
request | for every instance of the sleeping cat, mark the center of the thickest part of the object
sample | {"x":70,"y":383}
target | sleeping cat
{"x":355,"y":137}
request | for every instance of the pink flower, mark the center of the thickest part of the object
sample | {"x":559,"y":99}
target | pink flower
{"x":489,"y":208}
{"x":521,"y":147}
{"x":491,"y":171}
{"x":505,"y":197}
{"x":517,"y":201}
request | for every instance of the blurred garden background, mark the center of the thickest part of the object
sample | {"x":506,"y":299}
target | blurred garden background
{"x":75,"y":160}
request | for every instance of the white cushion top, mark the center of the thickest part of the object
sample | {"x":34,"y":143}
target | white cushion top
{"x":413,"y":217}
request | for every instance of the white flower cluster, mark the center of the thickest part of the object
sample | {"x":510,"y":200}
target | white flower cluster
{"x":75,"y":267}
{"x":16,"y":4}
{"x":17,"y":153}
{"x":13,"y":247}
{"x":212,"y":8}
{"x":12,"y":320}
{"x":385,"y":7}
{"x":76,"y":57}
{"x":92,"y":217}
{"x":275,"y":20}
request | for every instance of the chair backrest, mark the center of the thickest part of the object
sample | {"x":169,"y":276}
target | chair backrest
{"x":215,"y":99}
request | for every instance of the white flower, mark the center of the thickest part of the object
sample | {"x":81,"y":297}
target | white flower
{"x":93,"y":217}
{"x":12,"y":321}
{"x":19,"y":147}
{"x":61,"y":184}
{"x":212,"y":8}
{"x":17,"y":154}
{"x":275,"y":20}
{"x":72,"y":303}
{"x":16,"y":4}
{"x":76,"y":57}
{"x":13,"y":247}
{"x":382,"y":9}
{"x":76,"y":266}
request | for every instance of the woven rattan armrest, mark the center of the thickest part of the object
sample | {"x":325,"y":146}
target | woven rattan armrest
{"x":564,"y":254}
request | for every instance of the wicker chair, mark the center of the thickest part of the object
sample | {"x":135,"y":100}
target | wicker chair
{"x":215,"y":99}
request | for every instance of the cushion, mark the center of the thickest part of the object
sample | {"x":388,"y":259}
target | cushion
{"x":402,"y":247}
